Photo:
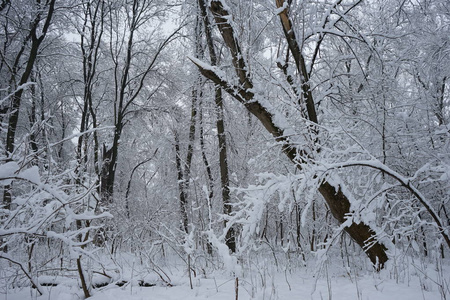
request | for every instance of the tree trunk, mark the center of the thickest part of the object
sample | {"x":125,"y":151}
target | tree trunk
{"x":223,"y":160}
{"x":182,"y":192}
{"x":107,"y":174}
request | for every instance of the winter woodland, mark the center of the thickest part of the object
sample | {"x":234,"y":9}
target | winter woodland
{"x":225,"y":149}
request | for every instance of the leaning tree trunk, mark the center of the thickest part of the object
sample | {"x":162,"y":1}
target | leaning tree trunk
{"x":337,"y":201}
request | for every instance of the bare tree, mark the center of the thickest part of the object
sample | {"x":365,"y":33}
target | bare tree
{"x":132,"y":67}
{"x":333,"y":194}
{"x":27,"y":54}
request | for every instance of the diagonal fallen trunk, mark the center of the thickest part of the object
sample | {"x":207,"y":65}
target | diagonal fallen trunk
{"x":337,"y":201}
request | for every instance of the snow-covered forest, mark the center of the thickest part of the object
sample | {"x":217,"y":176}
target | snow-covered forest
{"x":224,"y":149}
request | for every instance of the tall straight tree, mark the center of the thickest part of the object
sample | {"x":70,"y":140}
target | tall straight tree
{"x":220,"y":124}
{"x":184,"y":165}
{"x":91,"y":34}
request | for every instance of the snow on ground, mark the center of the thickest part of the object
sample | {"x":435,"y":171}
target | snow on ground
{"x":300,"y":288}
{"x":300,"y":285}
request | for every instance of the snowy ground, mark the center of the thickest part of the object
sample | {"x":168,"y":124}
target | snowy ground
{"x":259,"y":284}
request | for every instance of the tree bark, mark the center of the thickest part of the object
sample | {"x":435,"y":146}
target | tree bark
{"x":220,"y":124}
{"x":182,"y":192}
{"x":299,"y":61}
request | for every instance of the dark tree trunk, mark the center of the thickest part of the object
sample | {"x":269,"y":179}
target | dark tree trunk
{"x":361,"y":233}
{"x":223,"y":159}
{"x":107,"y":175}
{"x":182,"y":193}
{"x":32,"y":118}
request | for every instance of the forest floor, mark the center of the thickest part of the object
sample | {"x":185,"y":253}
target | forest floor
{"x":262,"y":281}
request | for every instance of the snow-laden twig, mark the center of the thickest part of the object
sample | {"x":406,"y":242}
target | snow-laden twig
{"x":406,"y":182}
